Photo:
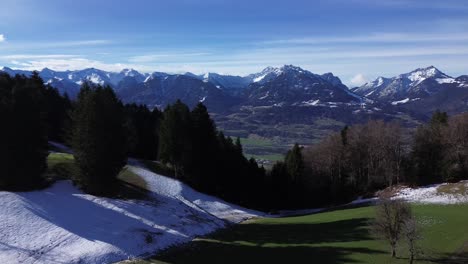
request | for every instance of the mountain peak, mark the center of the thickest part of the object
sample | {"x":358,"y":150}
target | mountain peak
{"x":291,"y":67}
{"x":421,"y":74}
{"x":430,"y":69}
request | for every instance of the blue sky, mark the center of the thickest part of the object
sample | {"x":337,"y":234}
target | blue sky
{"x":357,"y":40}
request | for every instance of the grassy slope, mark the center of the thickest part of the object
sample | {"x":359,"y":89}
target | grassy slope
{"x":334,"y":237}
{"x":62,"y":166}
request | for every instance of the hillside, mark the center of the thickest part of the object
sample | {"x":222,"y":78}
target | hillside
{"x":338,"y":235}
{"x":49,"y":226}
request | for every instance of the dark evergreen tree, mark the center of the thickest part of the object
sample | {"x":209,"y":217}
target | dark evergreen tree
{"x":142,"y":131}
{"x":23,"y":138}
{"x":174,"y":137}
{"x":280,"y":183}
{"x":98,"y":139}
{"x":204,"y":147}
{"x":294,"y":163}
{"x":57,"y":114}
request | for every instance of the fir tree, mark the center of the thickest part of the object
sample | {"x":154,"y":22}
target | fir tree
{"x":141,"y":124}
{"x":98,"y":139}
{"x":175,"y":140}
{"x":294,"y":163}
{"x":23,"y":138}
{"x":204,"y":148}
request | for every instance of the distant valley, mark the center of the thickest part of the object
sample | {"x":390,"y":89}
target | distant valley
{"x":280,"y":105}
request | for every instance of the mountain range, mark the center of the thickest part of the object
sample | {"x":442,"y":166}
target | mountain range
{"x":282,"y":102}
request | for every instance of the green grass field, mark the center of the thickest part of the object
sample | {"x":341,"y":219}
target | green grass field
{"x":340,"y":236}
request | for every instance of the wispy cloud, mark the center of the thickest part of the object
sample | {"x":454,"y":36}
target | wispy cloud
{"x":45,"y":45}
{"x":375,"y":38}
{"x":81,"y":43}
{"x":66,"y":64}
{"x":36,"y":56}
{"x":170,"y":56}
{"x":2,"y":38}
{"x":429,"y":4}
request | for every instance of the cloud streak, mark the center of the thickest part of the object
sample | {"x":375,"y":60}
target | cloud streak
{"x":2,"y":38}
{"x":36,"y":56}
{"x":375,"y":38}
{"x":162,"y":56}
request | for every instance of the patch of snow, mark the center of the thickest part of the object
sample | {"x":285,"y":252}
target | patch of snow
{"x":259,"y":78}
{"x":429,"y":194}
{"x":265,"y":96}
{"x":371,"y":92}
{"x":445,"y":80}
{"x":380,"y":81}
{"x":311,"y":102}
{"x":203,"y":99}
{"x":404,"y":101}
{"x":96,"y":79}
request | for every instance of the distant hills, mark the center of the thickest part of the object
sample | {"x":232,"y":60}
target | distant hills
{"x":283,"y":102}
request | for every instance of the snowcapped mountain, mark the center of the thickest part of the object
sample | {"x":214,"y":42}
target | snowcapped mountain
{"x":160,"y":89}
{"x":267,"y":74}
{"x":292,"y":86}
{"x":12,"y":72}
{"x":268,"y":103}
{"x":422,"y":90}
{"x":229,"y":83}
{"x":419,"y":83}
{"x":70,"y":81}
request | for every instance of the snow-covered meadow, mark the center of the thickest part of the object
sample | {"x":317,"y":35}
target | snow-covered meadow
{"x":61,"y":224}
{"x":445,"y":193}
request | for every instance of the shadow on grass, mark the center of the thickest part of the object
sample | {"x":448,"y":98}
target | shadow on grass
{"x":275,"y":243}
{"x":456,"y":258}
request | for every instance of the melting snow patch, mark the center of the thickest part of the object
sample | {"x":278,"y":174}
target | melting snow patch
{"x":432,"y":194}
{"x":265,"y":96}
{"x":311,"y":102}
{"x":404,"y":101}
{"x":445,"y":80}
{"x":259,"y":78}
{"x":63,"y":225}
{"x":370,"y":93}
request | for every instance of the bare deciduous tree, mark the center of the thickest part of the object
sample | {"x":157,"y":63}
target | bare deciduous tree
{"x":390,"y":221}
{"x":413,"y":235}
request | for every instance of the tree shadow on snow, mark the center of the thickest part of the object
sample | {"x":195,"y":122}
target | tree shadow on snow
{"x":123,"y":224}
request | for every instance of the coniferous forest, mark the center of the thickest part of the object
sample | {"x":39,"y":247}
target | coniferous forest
{"x":104,"y":133}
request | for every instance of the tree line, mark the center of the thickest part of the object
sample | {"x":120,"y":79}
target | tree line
{"x":359,"y":160}
{"x":103,"y":132}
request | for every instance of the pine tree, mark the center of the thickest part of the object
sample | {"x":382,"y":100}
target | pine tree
{"x":141,"y":124}
{"x":174,"y":137}
{"x":204,"y":148}
{"x":57,"y":112}
{"x":98,"y":139}
{"x":23,"y":138}
{"x":280,"y":182}
{"x":294,"y":163}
